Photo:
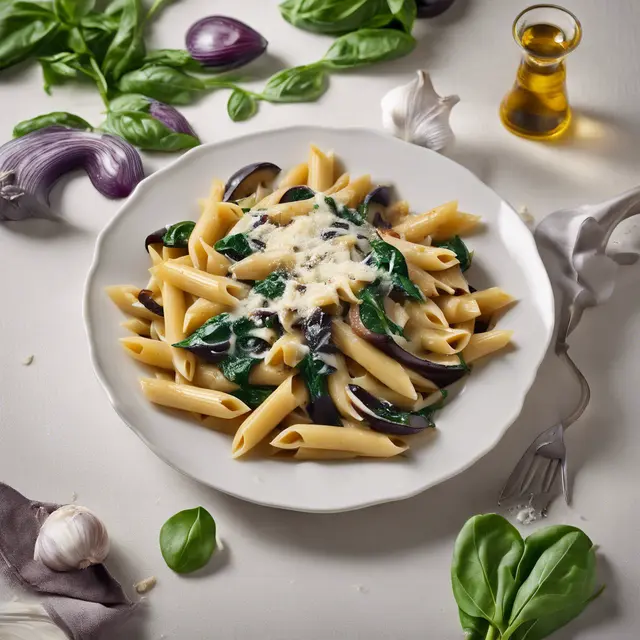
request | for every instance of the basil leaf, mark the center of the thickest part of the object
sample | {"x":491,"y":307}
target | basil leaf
{"x":299,"y":84}
{"x":176,"y":58}
{"x":188,"y":540}
{"x":98,"y":30}
{"x":24,"y":28}
{"x":335,"y":16}
{"x":241,"y":106}
{"x":368,"y":46}
{"x":563,"y":576}
{"x":457,"y":245}
{"x":405,"y":12}
{"x":253,"y":396}
{"x":372,"y":313}
{"x":144,"y":131}
{"x":130,"y":102}
{"x":72,"y":10}
{"x":58,"y":68}
{"x":387,"y":258}
{"x":273,"y":286}
{"x":162,"y":83}
{"x":483,"y":571}
{"x":474,"y":628}
{"x":56,"y":118}
{"x":178,"y":234}
{"x":215,"y":331}
{"x":236,"y":247}
{"x":127,"y":48}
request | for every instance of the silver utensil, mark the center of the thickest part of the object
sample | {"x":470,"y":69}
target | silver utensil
{"x":572,"y":244}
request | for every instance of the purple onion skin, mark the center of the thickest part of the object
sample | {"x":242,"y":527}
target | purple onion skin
{"x":31,"y":165}
{"x":223,"y":43}
{"x":170,"y":118}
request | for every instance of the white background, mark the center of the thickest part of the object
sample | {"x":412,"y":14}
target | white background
{"x":381,"y":573}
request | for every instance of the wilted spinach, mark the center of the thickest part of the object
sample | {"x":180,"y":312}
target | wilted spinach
{"x":253,"y":396}
{"x":387,"y":258}
{"x":457,"y":245}
{"x":178,"y":234}
{"x":273,"y":286}
{"x":236,"y":246}
{"x":372,"y":313}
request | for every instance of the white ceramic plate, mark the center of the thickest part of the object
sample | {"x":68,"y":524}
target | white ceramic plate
{"x":505,"y":255}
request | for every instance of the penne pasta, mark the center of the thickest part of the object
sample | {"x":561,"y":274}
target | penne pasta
{"x":287,"y":350}
{"x":259,"y":265}
{"x":339,"y":184}
{"x":188,"y":398}
{"x":217,"y":264}
{"x":174,"y":311}
{"x":151,"y":352}
{"x":458,"y":308}
{"x":360,"y":442}
{"x":354,"y":193}
{"x":306,"y":453}
{"x":426,"y":315}
{"x":427,"y":258}
{"x":337,"y":385}
{"x":460,"y":224}
{"x":484,"y":344}
{"x":287,"y":397}
{"x":298,"y":176}
{"x":379,"y":390}
{"x":445,"y":341}
{"x":199,"y":312}
{"x":417,"y":228}
{"x":125,"y":297}
{"x":490,"y":300}
{"x":427,"y":283}
{"x":138,"y":326}
{"x":453,"y":279}
{"x":320,"y":169}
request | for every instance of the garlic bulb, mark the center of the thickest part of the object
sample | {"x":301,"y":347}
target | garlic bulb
{"x":27,"y":621}
{"x":72,"y":537}
{"x":416,"y":113}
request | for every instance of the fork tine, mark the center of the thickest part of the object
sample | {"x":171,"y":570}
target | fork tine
{"x":529,"y":478}
{"x":512,"y":486}
{"x":565,"y":482}
{"x":550,"y":477}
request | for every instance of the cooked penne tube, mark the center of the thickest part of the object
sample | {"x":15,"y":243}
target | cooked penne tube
{"x":283,"y":213}
{"x":297,"y":416}
{"x":445,"y":341}
{"x":213,"y":224}
{"x":271,"y":199}
{"x":138,"y":325}
{"x":420,"y":382}
{"x":287,"y":350}
{"x":427,"y":283}
{"x":484,"y":344}
{"x":339,"y":184}
{"x":378,"y":364}
{"x":157,"y":330}
{"x":287,"y":397}
{"x":417,"y":228}
{"x":379,"y":390}
{"x":427,"y":258}
{"x":208,"y":376}
{"x":359,"y":441}
{"x":458,"y":308}
{"x":259,"y":265}
{"x":355,"y":192}
{"x":337,"y":385}
{"x":199,"y":312}
{"x":490,"y":300}
{"x":397,"y":212}
{"x":205,"y":285}
{"x":297,"y":176}
{"x":125,"y":297}
{"x":459,"y":224}
{"x":268,"y":375}
{"x":320,"y":169}
{"x":174,"y":310}
{"x":173,"y":253}
{"x":151,"y":352}
{"x":454,"y":280}
{"x":426,"y":314}
{"x":194,"y":399}
{"x":217,"y":264}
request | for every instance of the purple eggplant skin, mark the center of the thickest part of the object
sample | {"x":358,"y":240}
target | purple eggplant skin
{"x":294,"y":194}
{"x":374,"y":204}
{"x":145,"y":298}
{"x":322,"y":410}
{"x":171,"y":118}
{"x":432,"y":8}
{"x":245,"y":181}
{"x":223,"y":43}
{"x":440,"y":374}
{"x":379,"y":195}
{"x":155,"y":238}
{"x":211,"y":353}
{"x":417,"y":423}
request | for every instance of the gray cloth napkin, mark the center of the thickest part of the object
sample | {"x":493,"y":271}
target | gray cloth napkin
{"x":86,"y":604}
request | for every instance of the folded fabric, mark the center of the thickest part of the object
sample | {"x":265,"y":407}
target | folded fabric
{"x":86,"y":604}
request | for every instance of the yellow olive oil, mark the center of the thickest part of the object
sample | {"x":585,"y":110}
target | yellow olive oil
{"x":537,"y":107}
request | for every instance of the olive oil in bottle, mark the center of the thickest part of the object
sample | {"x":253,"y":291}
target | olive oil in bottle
{"x":537,"y":107}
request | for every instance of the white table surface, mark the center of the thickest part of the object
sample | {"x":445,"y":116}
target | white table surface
{"x":382,"y":572}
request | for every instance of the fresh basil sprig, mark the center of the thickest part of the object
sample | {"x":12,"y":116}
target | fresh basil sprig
{"x":188,"y":540}
{"x":510,"y":588}
{"x":60,"y":118}
{"x":368,"y":46}
{"x":298,"y":84}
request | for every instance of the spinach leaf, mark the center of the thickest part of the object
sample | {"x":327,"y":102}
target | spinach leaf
{"x":127,"y":48}
{"x":237,"y":366}
{"x":144,"y":131}
{"x":188,"y":540}
{"x":562,"y":577}
{"x":368,"y":46}
{"x":273,"y":286}
{"x":71,"y":11}
{"x":162,"y":83}
{"x":483,"y":571}
{"x":215,"y":332}
{"x":176,"y":58}
{"x":177,"y":235}
{"x":387,"y":258}
{"x":61,"y":118}
{"x":299,"y":84}
{"x":342,"y":211}
{"x":372,"y":313}
{"x":241,"y":105}
{"x":253,"y":396}
{"x":405,"y":12}
{"x":315,"y":373}
{"x":456,"y":245}
{"x":336,"y":16}
{"x":236,"y":247}
{"x":24,"y":28}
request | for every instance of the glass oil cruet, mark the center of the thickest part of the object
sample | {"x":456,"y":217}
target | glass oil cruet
{"x":537,"y":107}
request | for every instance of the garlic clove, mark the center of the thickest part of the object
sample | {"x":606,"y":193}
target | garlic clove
{"x":72,"y":537}
{"x":416,"y":113}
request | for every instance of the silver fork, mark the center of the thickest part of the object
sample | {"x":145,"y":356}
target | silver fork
{"x":573,"y":244}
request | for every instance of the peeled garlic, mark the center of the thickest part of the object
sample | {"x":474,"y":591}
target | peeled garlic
{"x":416,"y":113}
{"x":72,"y":537}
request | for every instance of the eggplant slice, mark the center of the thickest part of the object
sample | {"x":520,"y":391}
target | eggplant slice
{"x":245,"y":181}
